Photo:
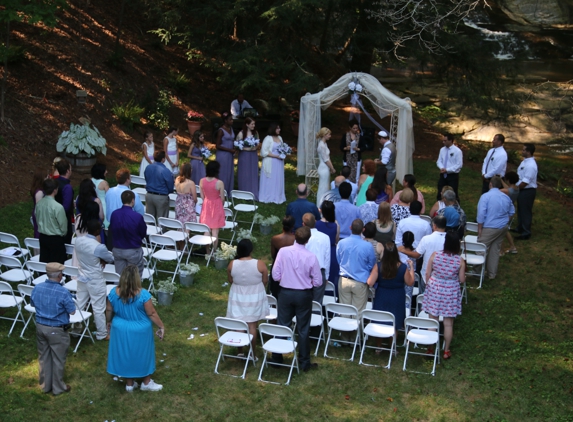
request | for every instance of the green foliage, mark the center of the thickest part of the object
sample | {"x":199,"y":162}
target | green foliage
{"x":159,"y":115}
{"x":44,"y":11}
{"x":564,"y":189}
{"x":81,"y":138}
{"x":513,"y":156}
{"x":476,"y":151}
{"x":178,"y":82}
{"x":129,"y":113}
{"x":433,"y":113}
{"x":14,"y":53}
{"x":115,"y":60}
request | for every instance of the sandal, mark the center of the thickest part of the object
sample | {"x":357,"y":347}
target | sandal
{"x":430,"y":351}
{"x":447,"y":354}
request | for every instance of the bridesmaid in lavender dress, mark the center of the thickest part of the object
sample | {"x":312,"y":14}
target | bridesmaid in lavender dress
{"x":226,"y":151}
{"x":248,"y":166}
{"x":272,"y":183}
{"x":197,"y":166}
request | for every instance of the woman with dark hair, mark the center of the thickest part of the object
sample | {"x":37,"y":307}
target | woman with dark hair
{"x":286,"y":238}
{"x":410,"y":182}
{"x":197,"y":165}
{"x":408,"y":243}
{"x":90,"y":212}
{"x":226,"y":151}
{"x":366,"y":178}
{"x":329,"y":226}
{"x":379,"y":184}
{"x":248,"y":278}
{"x":443,"y":298}
{"x":350,"y":147}
{"x":148,"y":148}
{"x":87,"y":194}
{"x":36,"y":193}
{"x":213,"y":194}
{"x":98,"y":172}
{"x":510,"y":189}
{"x":171,"y":150}
{"x":272,"y":182}
{"x":248,"y":162}
{"x":186,"y":196}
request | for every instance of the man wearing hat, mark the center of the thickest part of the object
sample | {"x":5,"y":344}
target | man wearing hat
{"x":387,"y":156}
{"x":54,"y":305}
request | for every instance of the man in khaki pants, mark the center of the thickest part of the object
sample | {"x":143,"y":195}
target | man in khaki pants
{"x":54,"y":305}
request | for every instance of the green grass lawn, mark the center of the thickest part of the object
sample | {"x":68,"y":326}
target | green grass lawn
{"x":512,"y":349}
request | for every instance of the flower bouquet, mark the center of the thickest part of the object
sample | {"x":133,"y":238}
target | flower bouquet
{"x":205,"y":153}
{"x":194,"y":116}
{"x":284,"y":150}
{"x":355,"y":87}
{"x":249,"y":143}
{"x":223,"y":255}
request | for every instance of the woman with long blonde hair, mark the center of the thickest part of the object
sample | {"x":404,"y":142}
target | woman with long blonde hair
{"x":325,"y":168}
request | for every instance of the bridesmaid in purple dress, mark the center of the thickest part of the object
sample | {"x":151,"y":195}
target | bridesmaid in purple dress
{"x":197,"y":166}
{"x":272,"y":183}
{"x":248,"y":166}
{"x":226,"y":151}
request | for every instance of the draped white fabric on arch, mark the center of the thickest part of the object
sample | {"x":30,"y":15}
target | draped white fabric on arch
{"x":384,"y":102}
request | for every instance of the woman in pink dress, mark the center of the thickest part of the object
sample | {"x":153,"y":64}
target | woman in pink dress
{"x":186,"y":196}
{"x":213,"y":194}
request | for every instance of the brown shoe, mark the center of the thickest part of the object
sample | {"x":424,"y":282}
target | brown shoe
{"x":67,"y":390}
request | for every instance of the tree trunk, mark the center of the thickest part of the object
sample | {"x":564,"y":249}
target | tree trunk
{"x":323,"y":39}
{"x":119,"y":26}
{"x":5,"y":71}
{"x":362,"y":46}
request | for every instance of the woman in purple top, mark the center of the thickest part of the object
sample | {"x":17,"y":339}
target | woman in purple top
{"x":272,"y":181}
{"x":36,"y":193}
{"x":226,"y":152}
{"x":248,"y":164}
{"x":197,"y":165}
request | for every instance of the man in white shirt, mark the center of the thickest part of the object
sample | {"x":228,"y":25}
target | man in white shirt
{"x":414,"y":224}
{"x":318,"y":244}
{"x":345,"y":173}
{"x":450,"y":162}
{"x":387,"y":156}
{"x":495,"y":162}
{"x":527,"y":184}
{"x":238,"y":105}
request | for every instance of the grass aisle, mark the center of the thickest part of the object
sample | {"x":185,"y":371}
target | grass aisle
{"x":512,"y":350}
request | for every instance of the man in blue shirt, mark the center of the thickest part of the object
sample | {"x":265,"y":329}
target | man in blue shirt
{"x":301,"y":206}
{"x":494,"y":212}
{"x":344,"y":211}
{"x":159,"y":184}
{"x":127,"y":229}
{"x":54,"y":305}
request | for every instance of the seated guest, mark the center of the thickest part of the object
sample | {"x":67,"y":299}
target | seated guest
{"x":369,"y":209}
{"x":333,"y":195}
{"x":286,"y":238}
{"x":345,"y":172}
{"x":238,"y":105}
{"x":402,"y":209}
{"x":301,"y":206}
{"x":410,"y":182}
{"x":345,"y":212}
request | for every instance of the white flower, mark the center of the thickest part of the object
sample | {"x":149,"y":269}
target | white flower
{"x":358,"y":88}
{"x":351,"y":86}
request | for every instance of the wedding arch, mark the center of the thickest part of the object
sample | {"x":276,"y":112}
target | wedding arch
{"x":385,"y":103}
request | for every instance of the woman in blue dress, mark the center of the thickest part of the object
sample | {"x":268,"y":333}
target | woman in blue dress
{"x":330,"y":227}
{"x":226,"y":151}
{"x":131,"y":345}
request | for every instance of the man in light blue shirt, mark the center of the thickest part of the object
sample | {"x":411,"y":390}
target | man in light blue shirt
{"x":344,"y":211}
{"x":113,"y":195}
{"x":494,"y":212}
{"x":159,"y":184}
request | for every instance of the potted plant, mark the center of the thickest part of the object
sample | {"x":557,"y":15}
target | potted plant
{"x":245,"y":234}
{"x":266,"y":222}
{"x":186,"y":273}
{"x":294,"y":121}
{"x":194,"y":121}
{"x":223,"y":255}
{"x":80,"y":144}
{"x":165,"y":290}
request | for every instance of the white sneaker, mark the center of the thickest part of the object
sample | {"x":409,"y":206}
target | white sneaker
{"x":130,"y":389}
{"x":152,"y":386}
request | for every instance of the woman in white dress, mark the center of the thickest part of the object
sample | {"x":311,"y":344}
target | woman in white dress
{"x":148,"y":150}
{"x":325,"y":168}
{"x":171,"y":150}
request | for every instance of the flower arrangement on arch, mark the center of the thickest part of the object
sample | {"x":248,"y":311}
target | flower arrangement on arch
{"x":355,"y":87}
{"x":295,"y":116}
{"x":195,"y":116}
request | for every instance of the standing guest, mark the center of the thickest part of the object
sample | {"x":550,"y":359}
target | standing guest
{"x":301,"y":206}
{"x":159,"y":184}
{"x":402,"y":209}
{"x":54,"y":305}
{"x":196,"y":157}
{"x":130,"y":315}
{"x":248,"y":302}
{"x":450,"y":162}
{"x":148,"y":149}
{"x":54,"y":173}
{"x":318,"y":244}
{"x":346,"y":213}
{"x":494,"y":213}
{"x":225,"y":151}
{"x":90,"y":212}
{"x":414,"y":224}
{"x":238,"y":105}
{"x":510,"y":189}
{"x":127,"y":229}
{"x":408,"y":243}
{"x":380,"y":185}
{"x":286,"y":238}
{"x":65,"y":194}
{"x":410,"y":182}
{"x":37,"y":194}
{"x":350,"y":147}
{"x":387,"y":156}
{"x":345,"y":173}
{"x":333,"y":195}
{"x":52,"y":225}
{"x":171,"y":151}
{"x":113,"y":196}
{"x":248,"y":162}
{"x":365,"y":180}
{"x":272,"y":182}
{"x":213,"y":194}
{"x":368,"y":233}
{"x":444,"y":273}
{"x":325,"y":168}
{"x":98,"y":173}
{"x":91,"y":282}
{"x":329,"y":226}
{"x":385,"y":226}
{"x":86,"y":195}
{"x":298,"y":272}
{"x":186,"y":196}
{"x":357,"y":268}
{"x":369,"y":209}
{"x":495,"y":162}
{"x":455,"y":216}
{"x":527,"y":184}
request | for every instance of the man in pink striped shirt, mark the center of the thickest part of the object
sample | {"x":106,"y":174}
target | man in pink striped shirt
{"x":298,"y":271}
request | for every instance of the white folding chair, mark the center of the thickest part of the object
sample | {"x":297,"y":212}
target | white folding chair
{"x":26,"y":293}
{"x":72,"y":273}
{"x":230,"y":226}
{"x":316,"y":320}
{"x":426,"y":218}
{"x":9,"y":300}
{"x":474,"y":259}
{"x":70,"y":252}
{"x":81,"y":317}
{"x":147,"y":274}
{"x":327,"y":298}
{"x":171,"y":208}
{"x":273,"y":312}
{"x":151,"y":224}
{"x":164,"y":249}
{"x":471,"y":227}
{"x":244,"y":201}
{"x":38,"y":271}
{"x":233,"y":337}
{"x":382,"y":325}
{"x":174,"y":229}
{"x":339,"y":323}
{"x":17,"y":250}
{"x":278,"y":345}
{"x":202,"y":239}
{"x":418,"y":331}
{"x":226,"y":202}
{"x":111,"y":277}
{"x":33,"y":245}
{"x":141,"y":192}
{"x":16,"y":272}
{"x":137,"y":180}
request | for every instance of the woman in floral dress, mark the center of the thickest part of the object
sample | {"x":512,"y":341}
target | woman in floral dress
{"x":186,"y":196}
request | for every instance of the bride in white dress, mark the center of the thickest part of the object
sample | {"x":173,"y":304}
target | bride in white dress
{"x":325,"y":168}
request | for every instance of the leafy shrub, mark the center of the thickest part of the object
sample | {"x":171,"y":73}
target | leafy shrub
{"x":513,"y":157}
{"x":179,"y":82}
{"x":129,"y":113}
{"x":476,"y":151}
{"x":433,"y":113}
{"x":564,"y":189}
{"x":159,"y":116}
{"x":15,"y":53}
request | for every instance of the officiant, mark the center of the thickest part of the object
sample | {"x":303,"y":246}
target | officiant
{"x":350,"y":145}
